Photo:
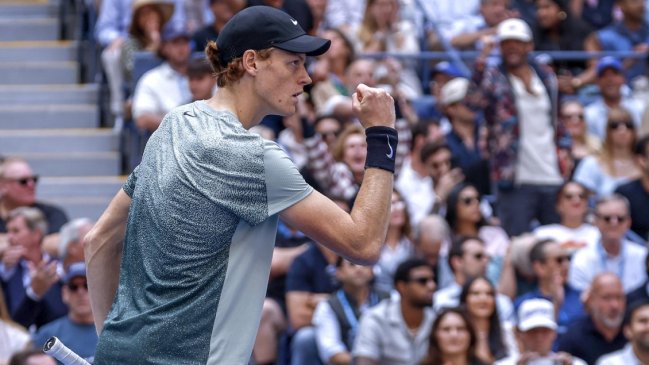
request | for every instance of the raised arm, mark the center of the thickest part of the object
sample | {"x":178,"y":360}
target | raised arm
{"x":357,"y":236}
{"x":103,"y":252}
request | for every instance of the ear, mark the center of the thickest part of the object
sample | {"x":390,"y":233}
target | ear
{"x":627,"y":332}
{"x":249,"y":62}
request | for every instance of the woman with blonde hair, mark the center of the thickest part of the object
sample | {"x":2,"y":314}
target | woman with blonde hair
{"x":615,"y":164}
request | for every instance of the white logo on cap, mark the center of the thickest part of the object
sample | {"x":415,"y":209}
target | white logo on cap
{"x":294,"y":21}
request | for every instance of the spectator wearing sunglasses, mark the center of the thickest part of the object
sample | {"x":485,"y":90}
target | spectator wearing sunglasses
{"x":18,"y":189}
{"x":612,"y":253}
{"x":468,"y":258}
{"x":616,"y":164}
{"x":637,"y":191}
{"x":77,"y":329}
{"x":550,"y":263}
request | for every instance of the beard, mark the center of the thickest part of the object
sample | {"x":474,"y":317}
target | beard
{"x":608,"y":321}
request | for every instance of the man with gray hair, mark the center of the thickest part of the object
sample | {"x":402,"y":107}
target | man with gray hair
{"x":29,"y":276}
{"x":612,"y":253}
{"x":432,"y":239}
{"x":71,"y":241}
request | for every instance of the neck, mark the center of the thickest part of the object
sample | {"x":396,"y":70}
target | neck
{"x":612,"y":247}
{"x":606,"y":332}
{"x":416,"y":163}
{"x":226,"y":99}
{"x":481,"y":324}
{"x":466,"y":228}
{"x":5,"y":208}
{"x":622,"y":152}
{"x":80,"y":318}
{"x":572,"y":222}
{"x":455,"y":359}
{"x":393,"y":236}
{"x":181,"y":68}
{"x":412,"y":315}
{"x":359,"y":294}
{"x":34,"y":256}
{"x":519,"y":71}
{"x":338,"y":67}
{"x":546,"y":287}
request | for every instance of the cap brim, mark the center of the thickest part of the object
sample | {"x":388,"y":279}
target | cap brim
{"x":309,"y":45}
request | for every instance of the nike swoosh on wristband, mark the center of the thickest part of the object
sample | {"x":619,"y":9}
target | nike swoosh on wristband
{"x":391,"y":154}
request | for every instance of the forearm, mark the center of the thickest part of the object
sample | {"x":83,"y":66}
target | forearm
{"x":148,"y":121}
{"x":103,"y":253}
{"x":341,"y":358}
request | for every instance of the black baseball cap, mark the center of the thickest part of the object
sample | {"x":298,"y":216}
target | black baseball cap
{"x":261,"y":27}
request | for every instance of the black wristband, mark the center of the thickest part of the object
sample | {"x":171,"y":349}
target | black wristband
{"x":308,"y":130}
{"x":381,"y":147}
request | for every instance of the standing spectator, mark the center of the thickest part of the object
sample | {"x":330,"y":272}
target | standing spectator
{"x":29,"y":276}
{"x":610,"y":81}
{"x":397,"y":330}
{"x":550,"y":263}
{"x":77,"y":329}
{"x":636,"y":330}
{"x":584,"y":143}
{"x":452,"y":340}
{"x":573,"y":232}
{"x":637,"y":191}
{"x":600,"y":332}
{"x":612,"y":253}
{"x":536,"y":334}
{"x":616,"y":164}
{"x":336,"y":319}
{"x":519,"y":99}
{"x":166,"y":86}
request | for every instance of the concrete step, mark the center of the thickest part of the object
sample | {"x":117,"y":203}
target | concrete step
{"x":49,"y":116}
{"x":67,"y":187}
{"x":22,"y":73}
{"x":46,"y":50}
{"x":28,"y":29}
{"x":82,"y":206}
{"x":27,"y":10}
{"x":14,"y":142}
{"x":75,"y":164}
{"x":49,"y":94}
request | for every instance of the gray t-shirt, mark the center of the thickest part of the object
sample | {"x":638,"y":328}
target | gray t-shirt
{"x":199,"y":241}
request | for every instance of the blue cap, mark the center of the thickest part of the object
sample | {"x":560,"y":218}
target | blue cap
{"x":608,"y":62}
{"x":170,"y":33}
{"x":75,"y":270}
{"x":447,"y":68}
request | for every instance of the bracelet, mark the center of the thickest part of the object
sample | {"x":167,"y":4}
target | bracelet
{"x":381,"y":147}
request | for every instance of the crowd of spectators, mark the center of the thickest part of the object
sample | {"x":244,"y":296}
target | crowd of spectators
{"x":520,"y":214}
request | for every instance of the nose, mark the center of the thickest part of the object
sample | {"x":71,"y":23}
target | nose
{"x":305,"y":79}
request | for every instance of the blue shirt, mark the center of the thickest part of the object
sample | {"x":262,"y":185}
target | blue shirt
{"x":617,"y":37}
{"x":80,"y":338}
{"x":570,"y":310}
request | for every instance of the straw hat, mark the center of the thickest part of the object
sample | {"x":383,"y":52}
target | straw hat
{"x":166,"y":7}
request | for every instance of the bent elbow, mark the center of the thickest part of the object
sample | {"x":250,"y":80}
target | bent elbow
{"x":367,"y":254}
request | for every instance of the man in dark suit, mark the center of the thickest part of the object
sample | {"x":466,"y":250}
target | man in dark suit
{"x":30,"y":279}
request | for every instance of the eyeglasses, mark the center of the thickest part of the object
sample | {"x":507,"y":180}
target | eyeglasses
{"x":76,"y":287}
{"x":574,"y":116}
{"x":573,"y":196}
{"x":615,"y":125}
{"x":468,"y":200}
{"x":612,"y":218}
{"x":423,"y":280}
{"x":24,"y":181}
{"x":560,"y":259}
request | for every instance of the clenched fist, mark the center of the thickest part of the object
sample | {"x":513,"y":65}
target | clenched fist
{"x":374,"y":107}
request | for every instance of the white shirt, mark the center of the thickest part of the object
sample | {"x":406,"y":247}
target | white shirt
{"x":626,"y":356}
{"x":12,"y":340}
{"x":629,"y":266}
{"x":513,"y":360}
{"x":571,"y":239}
{"x":450,"y":297}
{"x":417,"y":191}
{"x":160,"y":90}
{"x":596,"y":115}
{"x":537,"y":161}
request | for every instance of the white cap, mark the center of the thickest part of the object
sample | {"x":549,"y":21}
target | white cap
{"x":514,"y":28}
{"x":535,"y":313}
{"x":454,"y":91}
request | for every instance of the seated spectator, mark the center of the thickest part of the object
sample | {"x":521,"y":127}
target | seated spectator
{"x":144,"y":34}
{"x":470,"y":32}
{"x":13,"y":337}
{"x":18,"y":189}
{"x":467,"y":136}
{"x":550,"y":263}
{"x":166,"y":86}
{"x":584,"y":143}
{"x":29,"y":276}
{"x":536,"y":331}
{"x":616,"y":164}
{"x":494,"y":337}
{"x":436,"y":156}
{"x":635,"y":330}
{"x":468,"y":259}
{"x":202,"y":82}
{"x":397,"y":330}
{"x":637,"y":191}
{"x":465,"y":219}
{"x":71,"y":241}
{"x":77,"y":329}
{"x":613,"y":253}
{"x":600,"y":332}
{"x":336,"y":319}
{"x":222,"y":10}
{"x":572,"y":233}
{"x":442,"y":73}
{"x":610,"y":81}
{"x":398,"y":245}
{"x":32,"y":357}
{"x":642,"y":292}
{"x":453,"y":340}
{"x":310,"y":280}
{"x":631,"y":33}
{"x":432,"y":241}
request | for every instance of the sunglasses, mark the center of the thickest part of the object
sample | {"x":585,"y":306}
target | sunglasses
{"x":573,"y":196}
{"x":612,"y":218}
{"x":76,"y":287}
{"x":423,"y":280}
{"x":478,"y":256}
{"x":330,"y":134}
{"x":574,"y":116}
{"x":24,"y":181}
{"x":614,"y":125}
{"x":561,"y":259}
{"x":468,"y":200}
